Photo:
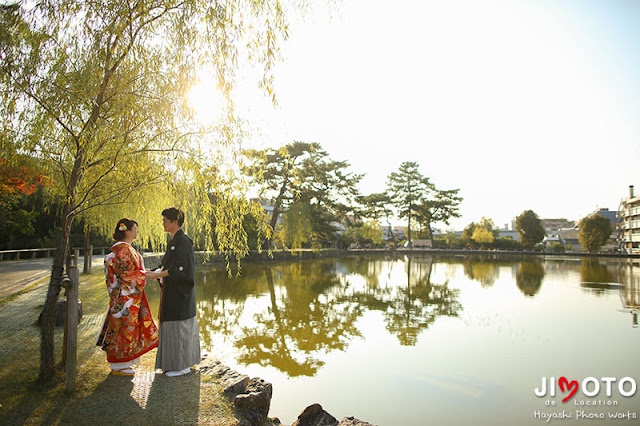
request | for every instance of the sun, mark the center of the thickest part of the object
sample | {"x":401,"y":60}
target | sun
{"x":206,"y":100}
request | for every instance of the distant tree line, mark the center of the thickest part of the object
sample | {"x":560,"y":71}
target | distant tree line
{"x":593,"y":233}
{"x":315,"y":204}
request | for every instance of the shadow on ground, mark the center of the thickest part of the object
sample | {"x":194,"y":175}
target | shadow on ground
{"x":99,"y":398}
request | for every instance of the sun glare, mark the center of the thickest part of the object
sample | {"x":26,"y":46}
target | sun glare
{"x":206,"y":100}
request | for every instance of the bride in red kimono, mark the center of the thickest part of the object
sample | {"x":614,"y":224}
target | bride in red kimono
{"x":128,"y":330}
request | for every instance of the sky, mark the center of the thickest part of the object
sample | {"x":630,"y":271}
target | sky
{"x":520,"y":104}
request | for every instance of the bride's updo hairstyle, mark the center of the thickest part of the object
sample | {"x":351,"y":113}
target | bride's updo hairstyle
{"x":123,"y":225}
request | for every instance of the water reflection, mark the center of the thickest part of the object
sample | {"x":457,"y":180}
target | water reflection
{"x":485,"y":272}
{"x":297,"y":311}
{"x":529,"y":277}
{"x":287,"y":315}
{"x":338,"y":320}
{"x":412,"y":307}
{"x":631,"y":293}
{"x":290,"y":316}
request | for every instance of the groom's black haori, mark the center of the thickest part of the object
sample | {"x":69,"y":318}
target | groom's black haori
{"x":179,"y":291}
{"x":179,"y":339}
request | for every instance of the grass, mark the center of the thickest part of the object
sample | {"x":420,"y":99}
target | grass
{"x":99,"y":398}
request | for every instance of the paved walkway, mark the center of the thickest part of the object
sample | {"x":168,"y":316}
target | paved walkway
{"x":16,"y":275}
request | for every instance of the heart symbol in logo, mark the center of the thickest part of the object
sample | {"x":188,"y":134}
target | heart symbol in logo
{"x":569,"y":384}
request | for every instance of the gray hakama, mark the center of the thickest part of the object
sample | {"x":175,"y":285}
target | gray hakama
{"x":178,"y":344}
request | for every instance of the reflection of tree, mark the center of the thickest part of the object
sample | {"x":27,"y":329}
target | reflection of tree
{"x":596,"y":277}
{"x":308,"y":315}
{"x":303,"y":309}
{"x":418,"y":305}
{"x":485,"y":272}
{"x":412,"y":307}
{"x":221,"y":301}
{"x":529,"y":277}
{"x":592,"y":271}
{"x":368,"y":268}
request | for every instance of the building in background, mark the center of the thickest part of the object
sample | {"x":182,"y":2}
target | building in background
{"x":629,"y":223}
{"x":508,"y":233}
{"x":568,"y":237}
{"x":399,"y":232}
{"x":551,"y":226}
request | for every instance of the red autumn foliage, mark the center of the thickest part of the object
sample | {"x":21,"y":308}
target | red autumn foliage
{"x":19,"y":180}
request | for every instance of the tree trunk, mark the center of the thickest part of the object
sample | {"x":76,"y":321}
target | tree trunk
{"x":88,"y":251}
{"x":48,"y":324}
{"x":276,"y":212}
{"x":47,"y":328}
{"x":430,"y":233}
{"x":409,"y":229}
{"x":276,"y":312}
{"x":393,"y":235}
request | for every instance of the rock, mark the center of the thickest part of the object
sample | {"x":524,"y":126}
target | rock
{"x":231,"y":381}
{"x":256,"y":397}
{"x":61,"y":311}
{"x":314,"y":415}
{"x":352,"y":421}
{"x":252,"y":397}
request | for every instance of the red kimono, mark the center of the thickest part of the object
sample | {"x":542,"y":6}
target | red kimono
{"x":128,"y":330}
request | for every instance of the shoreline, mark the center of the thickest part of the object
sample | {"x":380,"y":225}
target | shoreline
{"x":203,"y":257}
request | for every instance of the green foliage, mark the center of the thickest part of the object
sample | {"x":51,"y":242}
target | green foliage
{"x":97,"y":92}
{"x":482,"y":236}
{"x":296,"y":229}
{"x":529,"y":228}
{"x":468,"y":232}
{"x":450,"y":240}
{"x":303,"y":173}
{"x":481,"y":231}
{"x":276,"y":172}
{"x":555,"y":247}
{"x":594,"y":232}
{"x":441,"y":206}
{"x":369,"y":233}
{"x":506,"y":243}
{"x":375,"y":206}
{"x":16,"y":224}
{"x":406,"y":187}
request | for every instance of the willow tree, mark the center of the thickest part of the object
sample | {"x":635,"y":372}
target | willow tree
{"x":97,"y":91}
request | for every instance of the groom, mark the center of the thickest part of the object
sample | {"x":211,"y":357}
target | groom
{"x":179,"y":339}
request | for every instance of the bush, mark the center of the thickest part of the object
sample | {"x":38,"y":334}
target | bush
{"x":555,"y":247}
{"x":507,"y":243}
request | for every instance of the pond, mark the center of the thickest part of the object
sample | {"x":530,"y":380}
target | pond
{"x":421,"y":340}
